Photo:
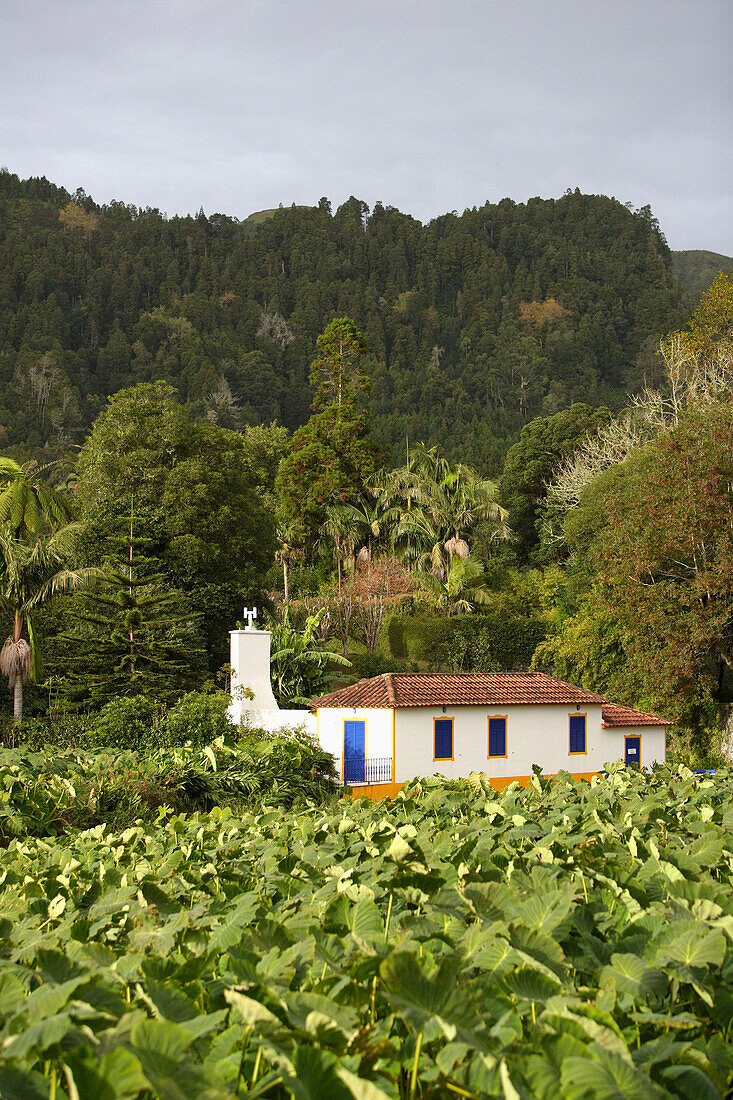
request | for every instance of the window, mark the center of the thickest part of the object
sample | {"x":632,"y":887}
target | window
{"x":577,"y":733}
{"x":497,"y":735}
{"x":443,"y":738}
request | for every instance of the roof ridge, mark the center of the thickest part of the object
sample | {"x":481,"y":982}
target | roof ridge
{"x":391,"y":697}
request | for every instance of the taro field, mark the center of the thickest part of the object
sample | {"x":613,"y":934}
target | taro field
{"x":565,"y":940}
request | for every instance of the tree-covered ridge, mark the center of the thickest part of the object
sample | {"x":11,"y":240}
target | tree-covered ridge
{"x":476,"y":323}
{"x":696,"y":268}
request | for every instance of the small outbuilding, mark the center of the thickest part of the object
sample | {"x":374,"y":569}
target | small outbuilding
{"x":389,"y":729}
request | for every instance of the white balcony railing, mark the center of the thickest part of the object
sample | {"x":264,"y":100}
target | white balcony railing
{"x":373,"y":769}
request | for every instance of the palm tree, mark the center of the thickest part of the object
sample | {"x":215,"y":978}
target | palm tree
{"x":31,"y":572}
{"x":433,"y":507}
{"x":460,"y":588}
{"x":339,"y":533}
{"x":288,"y":552}
{"x":27,"y":504}
{"x":365,"y":518}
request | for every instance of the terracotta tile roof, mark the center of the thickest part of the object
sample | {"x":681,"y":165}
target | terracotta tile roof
{"x":429,"y":689}
{"x":615,"y":715}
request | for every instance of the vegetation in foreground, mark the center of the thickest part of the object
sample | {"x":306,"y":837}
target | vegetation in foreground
{"x":566,"y":940}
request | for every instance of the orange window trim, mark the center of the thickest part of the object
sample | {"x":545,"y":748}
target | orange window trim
{"x":445,"y":718}
{"x":505,"y":754}
{"x":578,"y":714}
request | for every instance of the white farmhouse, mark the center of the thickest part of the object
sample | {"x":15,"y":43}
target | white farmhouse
{"x":391,"y":728}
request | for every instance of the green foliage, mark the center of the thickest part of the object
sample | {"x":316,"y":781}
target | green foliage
{"x":695,"y":269}
{"x":484,"y":643}
{"x":198,"y":718}
{"x":331,"y":459}
{"x":195,"y":496}
{"x":337,"y":373}
{"x":27,"y":503}
{"x":32,"y":571}
{"x":126,"y":722}
{"x":57,"y":791}
{"x":300,"y":664}
{"x":652,"y":539}
{"x":530,"y":462}
{"x":457,"y":313}
{"x":570,"y":940}
{"x":129,"y":634}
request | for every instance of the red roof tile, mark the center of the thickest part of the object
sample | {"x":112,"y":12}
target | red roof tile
{"x":430,"y":689}
{"x":615,"y":715}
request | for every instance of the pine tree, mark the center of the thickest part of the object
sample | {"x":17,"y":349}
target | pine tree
{"x":135,"y":635}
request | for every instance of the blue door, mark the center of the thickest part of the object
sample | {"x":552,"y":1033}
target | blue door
{"x":354,"y":751}
{"x":633,"y":752}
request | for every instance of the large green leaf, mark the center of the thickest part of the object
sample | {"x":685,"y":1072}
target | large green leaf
{"x":605,"y":1075}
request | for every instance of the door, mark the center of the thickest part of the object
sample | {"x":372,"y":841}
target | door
{"x":633,"y":752}
{"x":354,"y":751}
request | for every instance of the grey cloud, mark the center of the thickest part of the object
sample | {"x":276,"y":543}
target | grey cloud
{"x":240,"y":104}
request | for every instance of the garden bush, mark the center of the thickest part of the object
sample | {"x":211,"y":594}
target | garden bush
{"x":197,"y":718}
{"x":127,"y":722}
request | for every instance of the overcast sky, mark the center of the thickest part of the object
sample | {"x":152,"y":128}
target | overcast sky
{"x":427,"y":105}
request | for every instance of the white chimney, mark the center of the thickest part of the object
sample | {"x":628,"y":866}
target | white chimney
{"x":250,"y":663}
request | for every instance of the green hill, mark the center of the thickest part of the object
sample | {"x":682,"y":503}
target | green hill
{"x":696,"y":268}
{"x":476,"y":323}
{"x":259,"y":216}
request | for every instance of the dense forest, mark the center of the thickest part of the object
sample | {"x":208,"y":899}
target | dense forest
{"x":475,"y":323}
{"x":499,"y":441}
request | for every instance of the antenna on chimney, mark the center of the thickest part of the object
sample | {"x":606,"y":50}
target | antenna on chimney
{"x":250,"y":616}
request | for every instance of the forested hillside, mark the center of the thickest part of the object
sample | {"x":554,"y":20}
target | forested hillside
{"x":476,"y":323}
{"x":696,"y":268}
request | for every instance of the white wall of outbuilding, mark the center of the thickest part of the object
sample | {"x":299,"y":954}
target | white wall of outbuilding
{"x":535,"y":735}
{"x":653,"y":742}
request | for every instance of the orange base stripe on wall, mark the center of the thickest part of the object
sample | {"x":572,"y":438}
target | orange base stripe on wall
{"x":378,"y":791}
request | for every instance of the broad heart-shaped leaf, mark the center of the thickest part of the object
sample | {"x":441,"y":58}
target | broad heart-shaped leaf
{"x":168,"y":1002}
{"x":19,"y":1084}
{"x":366,"y":920}
{"x":257,"y":1015}
{"x":531,"y":985}
{"x":316,"y":1076}
{"x":161,"y":1049}
{"x":359,"y":1088}
{"x":40,"y":1037}
{"x":545,"y":911}
{"x":697,"y":947}
{"x":604,"y":1075}
{"x":420,"y":997}
{"x":12,"y":995}
{"x":627,"y":972}
{"x":118,"y":1075}
{"x":691,"y":1082}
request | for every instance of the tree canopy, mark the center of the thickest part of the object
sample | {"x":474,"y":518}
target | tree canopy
{"x":477,"y":323}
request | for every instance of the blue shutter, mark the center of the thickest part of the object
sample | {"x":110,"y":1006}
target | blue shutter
{"x":577,"y":733}
{"x":443,"y":739}
{"x":497,"y":736}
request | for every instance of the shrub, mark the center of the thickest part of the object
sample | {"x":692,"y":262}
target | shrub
{"x":127,"y":722}
{"x":198,"y":719}
{"x":373,"y":664}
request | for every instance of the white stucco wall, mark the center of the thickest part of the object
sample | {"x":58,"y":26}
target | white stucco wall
{"x":534,"y":735}
{"x":330,"y":725}
{"x":652,"y":742}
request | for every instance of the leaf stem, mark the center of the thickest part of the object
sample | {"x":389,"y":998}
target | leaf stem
{"x":415,"y":1062}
